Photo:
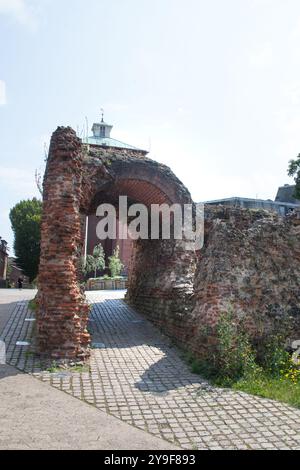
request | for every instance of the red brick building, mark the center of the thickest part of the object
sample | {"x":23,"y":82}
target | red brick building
{"x":108,"y":245}
{"x":15,"y":273}
{"x":101,"y":137}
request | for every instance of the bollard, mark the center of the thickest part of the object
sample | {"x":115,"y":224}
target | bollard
{"x":2,"y":353}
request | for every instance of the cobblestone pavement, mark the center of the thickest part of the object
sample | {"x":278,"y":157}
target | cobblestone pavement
{"x":138,"y":376}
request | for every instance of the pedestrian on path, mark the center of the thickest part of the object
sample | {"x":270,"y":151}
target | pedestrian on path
{"x":20,"y":283}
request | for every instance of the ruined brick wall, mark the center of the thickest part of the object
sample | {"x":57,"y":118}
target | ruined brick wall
{"x":161,"y":278}
{"x":78,"y":178}
{"x":63,"y":313}
{"x":250,"y":263}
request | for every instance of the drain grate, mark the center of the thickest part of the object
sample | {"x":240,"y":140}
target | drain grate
{"x":61,"y":375}
{"x":98,"y":345}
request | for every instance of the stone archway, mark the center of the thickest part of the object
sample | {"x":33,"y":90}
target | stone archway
{"x":76,"y":176}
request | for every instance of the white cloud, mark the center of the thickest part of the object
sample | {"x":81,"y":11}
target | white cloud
{"x":294,"y":43}
{"x":290,"y":146}
{"x":292,"y":94}
{"x":136,"y":138}
{"x":21,"y":11}
{"x":288,"y":121}
{"x":17,"y":180}
{"x":261,"y":3}
{"x":2,"y":93}
{"x":295,"y":32}
{"x":262,"y":57}
{"x":113,"y":108}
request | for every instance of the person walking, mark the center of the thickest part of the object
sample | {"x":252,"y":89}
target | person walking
{"x":20,"y":283}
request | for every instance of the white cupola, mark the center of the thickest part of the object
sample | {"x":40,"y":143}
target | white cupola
{"x":101,"y":129}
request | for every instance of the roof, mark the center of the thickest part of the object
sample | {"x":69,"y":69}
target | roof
{"x":102,"y":123}
{"x":239,"y":200}
{"x":282,"y":208}
{"x":109,"y":142}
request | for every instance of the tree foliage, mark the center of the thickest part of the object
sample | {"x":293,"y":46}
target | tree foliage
{"x":115,"y":264}
{"x":294,"y":170}
{"x":25,"y":219}
{"x":96,"y":261}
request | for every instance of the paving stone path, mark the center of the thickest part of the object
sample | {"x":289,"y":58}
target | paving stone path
{"x":137,"y":375}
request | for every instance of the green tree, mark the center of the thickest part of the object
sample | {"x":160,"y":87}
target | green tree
{"x":95,"y":261}
{"x":25,"y":220}
{"x":115,"y":265}
{"x":294,"y":170}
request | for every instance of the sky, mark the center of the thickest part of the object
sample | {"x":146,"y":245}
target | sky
{"x":211,"y":88}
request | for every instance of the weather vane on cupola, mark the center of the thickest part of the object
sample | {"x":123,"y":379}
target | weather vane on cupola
{"x":101,"y":130}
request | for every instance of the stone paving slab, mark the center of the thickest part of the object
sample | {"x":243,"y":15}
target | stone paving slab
{"x":8,"y":299}
{"x":137,"y":376}
{"x":34,"y":416}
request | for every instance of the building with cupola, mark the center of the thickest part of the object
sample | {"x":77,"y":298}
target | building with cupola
{"x":101,"y":137}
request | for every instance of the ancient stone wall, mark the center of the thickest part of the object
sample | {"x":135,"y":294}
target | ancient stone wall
{"x":250,"y":264}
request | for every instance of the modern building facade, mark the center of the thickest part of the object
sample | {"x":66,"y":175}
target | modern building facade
{"x":284,"y":203}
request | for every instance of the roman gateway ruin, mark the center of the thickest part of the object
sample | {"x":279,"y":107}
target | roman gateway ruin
{"x":250,"y":261}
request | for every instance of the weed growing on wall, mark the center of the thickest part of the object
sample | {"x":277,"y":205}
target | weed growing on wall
{"x":234,"y":362}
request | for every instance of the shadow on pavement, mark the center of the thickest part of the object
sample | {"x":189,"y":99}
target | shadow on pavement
{"x":115,"y":325}
{"x":8,"y":371}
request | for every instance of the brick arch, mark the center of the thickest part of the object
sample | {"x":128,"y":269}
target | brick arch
{"x":150,"y":182}
{"x":131,"y":173}
{"x":136,"y":190}
{"x":142,"y":191}
{"x":75,"y":176}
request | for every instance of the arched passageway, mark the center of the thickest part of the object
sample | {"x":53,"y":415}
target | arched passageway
{"x":78,"y":178}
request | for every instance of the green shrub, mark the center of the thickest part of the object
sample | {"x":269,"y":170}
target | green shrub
{"x":269,"y":387}
{"x":234,"y":353}
{"x":234,"y":362}
{"x":94,"y":262}
{"x":115,"y":264}
{"x":275,"y":359}
{"x":33,"y":304}
{"x":232,"y":357}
